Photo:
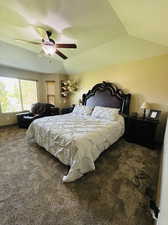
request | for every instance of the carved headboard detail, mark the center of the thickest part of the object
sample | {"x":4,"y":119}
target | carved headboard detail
{"x":108,"y":95}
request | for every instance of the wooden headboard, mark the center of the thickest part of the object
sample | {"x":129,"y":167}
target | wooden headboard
{"x":107,"y":94}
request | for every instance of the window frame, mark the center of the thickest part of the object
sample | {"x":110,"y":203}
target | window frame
{"x":20,"y":93}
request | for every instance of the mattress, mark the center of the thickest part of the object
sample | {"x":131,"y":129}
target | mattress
{"x":77,"y":141}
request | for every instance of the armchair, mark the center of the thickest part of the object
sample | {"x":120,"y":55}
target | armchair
{"x":38,"y":110}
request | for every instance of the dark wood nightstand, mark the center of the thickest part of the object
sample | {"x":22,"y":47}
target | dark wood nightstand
{"x":140,"y":131}
{"x":67,"y":110}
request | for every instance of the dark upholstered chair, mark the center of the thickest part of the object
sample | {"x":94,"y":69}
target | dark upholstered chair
{"x":38,"y":110}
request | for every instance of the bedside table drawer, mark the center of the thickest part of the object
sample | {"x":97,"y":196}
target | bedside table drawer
{"x":140,"y":131}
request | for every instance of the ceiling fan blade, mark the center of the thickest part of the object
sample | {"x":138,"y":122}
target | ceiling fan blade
{"x":61,"y":54}
{"x":66,"y":45}
{"x":27,"y":41}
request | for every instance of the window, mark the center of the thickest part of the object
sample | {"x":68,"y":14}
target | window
{"x":51,"y":92}
{"x":17,"y":95}
{"x":28,"y":93}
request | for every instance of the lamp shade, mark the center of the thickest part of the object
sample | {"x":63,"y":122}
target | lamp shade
{"x":49,"y":49}
{"x":145,"y":105}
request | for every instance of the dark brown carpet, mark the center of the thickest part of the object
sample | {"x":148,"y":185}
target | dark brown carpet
{"x":32,"y":192}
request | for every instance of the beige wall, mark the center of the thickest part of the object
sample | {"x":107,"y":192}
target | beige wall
{"x":146,"y":80}
{"x":10,"y":118}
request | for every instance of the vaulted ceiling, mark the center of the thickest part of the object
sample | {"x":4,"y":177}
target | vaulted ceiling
{"x":106,"y":32}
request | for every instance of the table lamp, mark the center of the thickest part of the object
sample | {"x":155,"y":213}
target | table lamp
{"x":145,"y":106}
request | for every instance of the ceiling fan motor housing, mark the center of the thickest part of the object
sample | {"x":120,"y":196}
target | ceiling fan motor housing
{"x":49,"y":33}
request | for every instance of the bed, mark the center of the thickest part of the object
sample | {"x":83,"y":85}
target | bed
{"x":77,"y":140}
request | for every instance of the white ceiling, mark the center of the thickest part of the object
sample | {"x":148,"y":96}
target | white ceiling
{"x":106,"y":32}
{"x":21,"y":58}
{"x":146,"y":19}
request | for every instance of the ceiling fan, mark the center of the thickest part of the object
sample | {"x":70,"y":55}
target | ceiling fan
{"x":49,"y":46}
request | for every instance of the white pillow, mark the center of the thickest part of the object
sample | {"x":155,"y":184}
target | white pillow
{"x":82,"y":110}
{"x":105,"y":113}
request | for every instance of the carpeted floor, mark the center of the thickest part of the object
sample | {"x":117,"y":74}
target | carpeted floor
{"x":32,"y":192}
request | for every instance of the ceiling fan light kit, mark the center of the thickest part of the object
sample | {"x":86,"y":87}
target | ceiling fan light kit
{"x":49,"y":46}
{"x":49,"y":49}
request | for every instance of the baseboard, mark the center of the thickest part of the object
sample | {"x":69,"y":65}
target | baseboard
{"x":10,"y":125}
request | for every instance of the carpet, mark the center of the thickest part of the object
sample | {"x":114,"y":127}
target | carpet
{"x":32,"y":192}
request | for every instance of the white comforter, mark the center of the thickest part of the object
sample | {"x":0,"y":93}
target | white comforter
{"x":76,"y":141}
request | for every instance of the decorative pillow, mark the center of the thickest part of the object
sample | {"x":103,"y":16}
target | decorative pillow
{"x":82,"y":110}
{"x":105,"y":113}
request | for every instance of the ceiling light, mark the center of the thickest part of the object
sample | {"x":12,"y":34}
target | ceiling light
{"x":49,"y":49}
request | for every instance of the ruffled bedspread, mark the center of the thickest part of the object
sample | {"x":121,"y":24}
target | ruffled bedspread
{"x":76,"y":141}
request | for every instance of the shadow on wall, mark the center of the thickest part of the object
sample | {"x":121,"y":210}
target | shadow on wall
{"x":136,"y":101}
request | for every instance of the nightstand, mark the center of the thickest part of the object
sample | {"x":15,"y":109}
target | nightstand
{"x":140,"y":131}
{"x":67,"y":110}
